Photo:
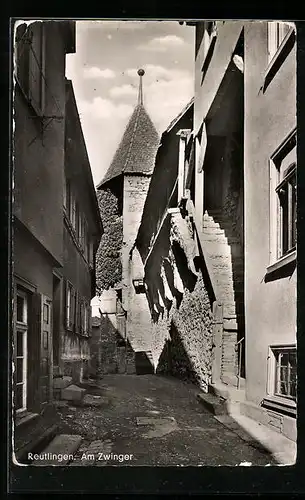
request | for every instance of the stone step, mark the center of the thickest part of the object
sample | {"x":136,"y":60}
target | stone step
{"x":61,"y":382}
{"x":38,"y":440}
{"x":220,"y":392}
{"x":213,"y":403}
{"x":220,"y":236}
{"x":209,"y":225}
{"x":220,"y":217}
{"x":73,"y":393}
{"x":60,"y":450}
{"x":214,"y":238}
{"x":209,"y":229}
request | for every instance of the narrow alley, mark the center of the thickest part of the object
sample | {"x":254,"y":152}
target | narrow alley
{"x":149,"y":420}
{"x":153,"y":315}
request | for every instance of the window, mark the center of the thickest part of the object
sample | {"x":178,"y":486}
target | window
{"x":87,"y":315}
{"x":84,"y":317}
{"x":277,"y":32}
{"x":70,"y":306}
{"x":283,"y":372}
{"x":67,"y":197}
{"x":86,"y":240}
{"x":77,"y":217}
{"x":77,"y":324}
{"x":21,"y":308}
{"x":30,"y":63}
{"x":283,"y":200}
{"x":286,"y":191}
{"x":72,"y":209}
{"x":80,"y":229}
{"x":88,"y":249}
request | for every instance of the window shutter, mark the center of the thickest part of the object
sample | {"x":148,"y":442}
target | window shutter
{"x":65,"y":293}
{"x":72,"y":310}
{"x":77,"y":312}
{"x":34,"y":343}
{"x":89,"y":321}
{"x":83,"y":329}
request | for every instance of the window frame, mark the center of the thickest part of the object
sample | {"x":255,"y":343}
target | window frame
{"x":272,"y":395}
{"x":277,"y":258}
{"x":72,"y":217}
{"x":22,"y":327}
{"x":69,"y":306}
{"x":287,"y":232}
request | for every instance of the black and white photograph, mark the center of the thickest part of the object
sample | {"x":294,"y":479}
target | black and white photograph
{"x":154,"y":208}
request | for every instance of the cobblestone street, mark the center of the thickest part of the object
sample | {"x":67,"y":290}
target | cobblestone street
{"x":151,"y":420}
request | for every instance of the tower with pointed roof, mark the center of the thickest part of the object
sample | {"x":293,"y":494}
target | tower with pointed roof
{"x":122,"y":193}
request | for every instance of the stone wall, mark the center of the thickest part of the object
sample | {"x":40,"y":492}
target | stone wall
{"x":187,"y":337}
{"x":109,"y":351}
{"x":180,"y":307}
{"x":108,"y":258}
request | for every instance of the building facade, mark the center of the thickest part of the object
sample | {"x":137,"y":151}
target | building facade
{"x":231,"y":230}
{"x":41,"y":242}
{"x":81,"y":237}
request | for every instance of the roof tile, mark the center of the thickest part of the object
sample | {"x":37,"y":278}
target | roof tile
{"x":137,"y":149}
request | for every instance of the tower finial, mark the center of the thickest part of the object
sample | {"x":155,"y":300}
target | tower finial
{"x":141,"y":72}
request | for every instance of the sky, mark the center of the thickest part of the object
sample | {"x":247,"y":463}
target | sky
{"x":105,"y":81}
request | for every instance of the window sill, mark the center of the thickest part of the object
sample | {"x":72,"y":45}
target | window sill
{"x":279,"y":57}
{"x":282,"y":262}
{"x":282,"y":405}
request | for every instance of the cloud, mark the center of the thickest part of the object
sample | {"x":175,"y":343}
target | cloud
{"x":111,"y":25}
{"x":162,"y":43}
{"x":165,"y":99}
{"x":166,"y":92}
{"x":154,"y":72}
{"x":100,"y":108}
{"x":124,"y":90}
{"x":95,"y":72}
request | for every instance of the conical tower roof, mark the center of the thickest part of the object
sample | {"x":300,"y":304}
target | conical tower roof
{"x":137,"y":149}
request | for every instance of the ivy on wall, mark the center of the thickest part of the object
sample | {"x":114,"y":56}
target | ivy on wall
{"x":108,"y":257}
